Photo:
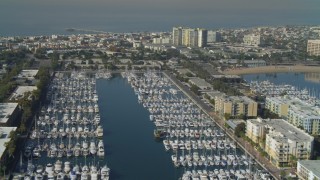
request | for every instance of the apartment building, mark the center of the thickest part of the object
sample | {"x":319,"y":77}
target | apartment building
{"x":235,"y":106}
{"x":308,"y":169}
{"x":313,"y":47}
{"x":298,"y":112}
{"x":280,"y":140}
{"x":189,"y":37}
{"x":278,"y":105}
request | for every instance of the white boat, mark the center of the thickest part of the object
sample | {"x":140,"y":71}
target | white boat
{"x":100,"y":152}
{"x":67,"y":167}
{"x":92,"y":148}
{"x":99,"y":131}
{"x":94,"y":172}
{"x":49,"y":168}
{"x":104,"y":172}
{"x":58,"y":166}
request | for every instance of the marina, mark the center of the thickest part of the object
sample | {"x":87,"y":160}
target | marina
{"x":148,"y":129}
{"x":196,"y":145}
{"x":66,"y":141}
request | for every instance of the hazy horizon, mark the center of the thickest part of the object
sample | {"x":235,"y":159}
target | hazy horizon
{"x":34,"y":17}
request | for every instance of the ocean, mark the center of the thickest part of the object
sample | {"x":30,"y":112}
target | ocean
{"x":42,"y":17}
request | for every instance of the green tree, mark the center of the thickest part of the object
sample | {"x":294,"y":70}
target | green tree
{"x":227,"y":116}
{"x":240,"y":130}
{"x":195,"y":89}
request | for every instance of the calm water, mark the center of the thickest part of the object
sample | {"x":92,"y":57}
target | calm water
{"x":311,"y":81}
{"x":131,"y":151}
{"x":41,"y":17}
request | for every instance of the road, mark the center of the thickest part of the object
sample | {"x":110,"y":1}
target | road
{"x":244,"y":145}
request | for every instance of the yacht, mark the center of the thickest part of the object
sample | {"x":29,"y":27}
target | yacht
{"x":104,"y":172}
{"x":100,"y":152}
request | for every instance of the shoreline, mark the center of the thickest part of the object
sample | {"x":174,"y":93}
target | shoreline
{"x":272,"y":69}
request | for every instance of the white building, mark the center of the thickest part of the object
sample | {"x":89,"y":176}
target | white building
{"x":297,"y":112}
{"x":308,"y":169}
{"x":280,"y":140}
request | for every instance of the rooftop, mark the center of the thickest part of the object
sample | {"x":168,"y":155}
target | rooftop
{"x":213,"y":94}
{"x":4,"y":137}
{"x":29,"y":74}
{"x":19,"y":92}
{"x":199,"y":82}
{"x":6,"y":109}
{"x":238,"y":99}
{"x":312,"y":165}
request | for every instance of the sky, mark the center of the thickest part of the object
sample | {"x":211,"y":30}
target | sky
{"x":41,"y":16}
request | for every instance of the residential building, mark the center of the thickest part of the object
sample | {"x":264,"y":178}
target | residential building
{"x":313,"y":47}
{"x":255,"y":130}
{"x":308,"y":169}
{"x":161,"y":40}
{"x":252,"y":40}
{"x":281,"y":141}
{"x":189,"y":37}
{"x":278,"y":105}
{"x":298,"y":112}
{"x":236,"y":106}
{"x":202,"y":37}
{"x":213,"y":36}
{"x":177,"y":36}
{"x":305,"y":116}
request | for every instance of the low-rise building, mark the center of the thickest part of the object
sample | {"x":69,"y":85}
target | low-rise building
{"x":20,"y":92}
{"x":201,"y":83}
{"x":308,"y":169}
{"x":8,"y":113}
{"x":5,"y":138}
{"x":254,"y":63}
{"x":236,"y":106}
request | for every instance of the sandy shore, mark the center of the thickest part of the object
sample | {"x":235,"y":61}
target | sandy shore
{"x":273,"y":69}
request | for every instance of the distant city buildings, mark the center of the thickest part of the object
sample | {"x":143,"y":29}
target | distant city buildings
{"x":252,"y":40}
{"x":183,"y":36}
{"x":236,"y":106}
{"x":313,"y":47}
{"x":308,"y":169}
{"x":213,"y":36}
{"x":280,"y":140}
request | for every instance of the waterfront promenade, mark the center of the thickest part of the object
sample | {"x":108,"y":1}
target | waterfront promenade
{"x":247,"y":147}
